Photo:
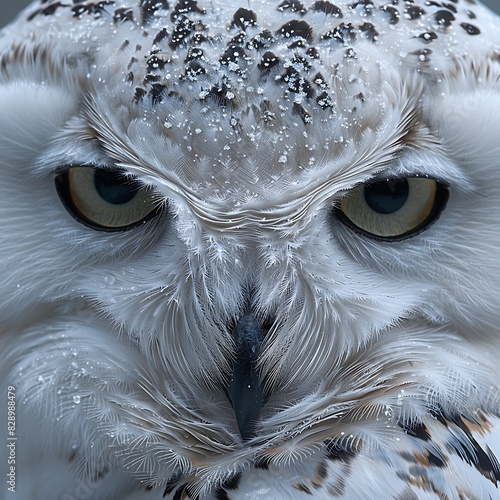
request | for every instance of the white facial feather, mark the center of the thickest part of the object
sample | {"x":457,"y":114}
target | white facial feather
{"x":247,"y":336}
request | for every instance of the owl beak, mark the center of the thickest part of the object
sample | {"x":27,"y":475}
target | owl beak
{"x":245,"y":390}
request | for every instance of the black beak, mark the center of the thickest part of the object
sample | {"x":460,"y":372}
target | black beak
{"x":245,"y":390}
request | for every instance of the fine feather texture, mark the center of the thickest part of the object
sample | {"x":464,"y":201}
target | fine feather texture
{"x":377,"y":358}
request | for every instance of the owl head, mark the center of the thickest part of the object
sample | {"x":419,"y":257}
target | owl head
{"x":234,"y":236}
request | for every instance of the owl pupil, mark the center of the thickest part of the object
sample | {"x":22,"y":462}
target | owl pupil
{"x":387,"y":197}
{"x":113,"y":188}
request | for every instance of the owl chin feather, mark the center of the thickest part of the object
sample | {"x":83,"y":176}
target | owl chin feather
{"x":250,"y":252}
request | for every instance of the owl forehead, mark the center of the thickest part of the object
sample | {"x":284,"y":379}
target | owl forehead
{"x":270,"y":86}
{"x":213,"y":50}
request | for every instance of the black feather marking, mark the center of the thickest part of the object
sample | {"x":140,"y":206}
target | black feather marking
{"x":154,"y":63}
{"x":444,"y":18}
{"x":233,"y":482}
{"x":435,"y":460}
{"x":451,"y":7}
{"x":368,"y":29}
{"x":157,"y":92}
{"x":139,"y":94}
{"x":415,"y":429}
{"x":428,"y":36}
{"x":182,"y":30}
{"x":339,"y":453}
{"x":172,"y":484}
{"x":268,"y":61}
{"x":178,"y":493}
{"x":297,"y":83}
{"x":91,"y":8}
{"x":161,"y":35}
{"x":297,"y":28}
{"x":367,"y":6}
{"x":261,"y":41}
{"x":483,"y":460}
{"x":193,"y":70}
{"x":48,"y":11}
{"x":293,"y":6}
{"x":327,"y":8}
{"x":303,"y":488}
{"x":233,"y":55}
{"x":185,"y":7}
{"x":470,"y":29}
{"x":243,"y":18}
{"x":413,"y":12}
{"x":262,"y":462}
{"x":325,"y":100}
{"x":422,"y":54}
{"x":221,"y":494}
{"x":305,"y":116}
{"x":123,"y":15}
{"x":343,"y":33}
{"x":150,"y":7}
{"x":313,"y":52}
{"x":392,"y":12}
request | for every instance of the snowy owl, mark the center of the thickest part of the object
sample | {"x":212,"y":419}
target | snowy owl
{"x":250,"y":250}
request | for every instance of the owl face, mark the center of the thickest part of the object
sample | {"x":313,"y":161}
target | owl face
{"x":239,"y":236}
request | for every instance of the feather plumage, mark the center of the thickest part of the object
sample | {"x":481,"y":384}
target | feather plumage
{"x":248,"y":131}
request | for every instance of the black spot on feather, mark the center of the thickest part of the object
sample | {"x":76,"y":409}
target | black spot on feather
{"x":470,"y":29}
{"x":233,"y":482}
{"x":91,"y":8}
{"x":154,"y":63}
{"x":343,"y":33}
{"x":47,"y":11}
{"x":297,"y":28}
{"x":194,"y":53}
{"x":157,"y":93}
{"x":123,"y":15}
{"x":415,"y":429}
{"x":327,"y":8}
{"x":182,"y":30}
{"x":262,"y":462}
{"x":428,"y":36}
{"x":471,"y":452}
{"x":296,"y":82}
{"x":292,"y":6}
{"x":185,"y":7}
{"x":305,"y":116}
{"x":392,"y":12}
{"x":444,"y":18}
{"x":413,"y":12}
{"x":268,"y":61}
{"x":339,"y":453}
{"x":243,"y":18}
{"x":369,"y":31}
{"x":261,"y":41}
{"x":172,"y":484}
{"x":367,"y":6}
{"x":139,"y":94}
{"x":150,"y":7}
{"x":160,"y":36}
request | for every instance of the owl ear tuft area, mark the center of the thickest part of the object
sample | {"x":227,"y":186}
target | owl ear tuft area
{"x":32,"y":114}
{"x":467,"y":122}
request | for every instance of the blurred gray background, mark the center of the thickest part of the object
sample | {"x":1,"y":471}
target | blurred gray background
{"x":9,"y":8}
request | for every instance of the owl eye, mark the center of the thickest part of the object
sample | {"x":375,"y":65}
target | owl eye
{"x":106,"y":199}
{"x":393,"y":209}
